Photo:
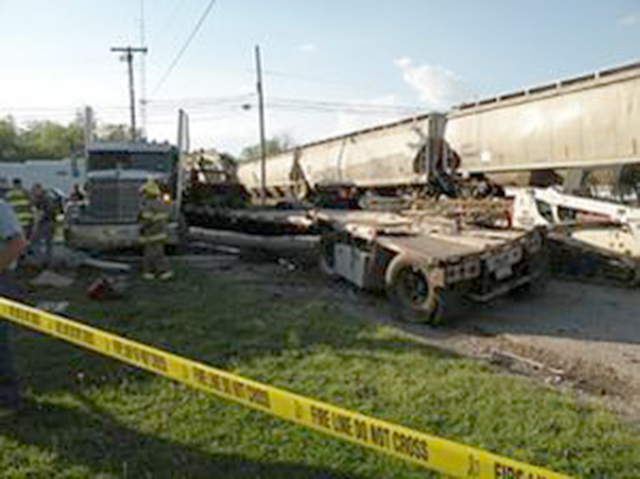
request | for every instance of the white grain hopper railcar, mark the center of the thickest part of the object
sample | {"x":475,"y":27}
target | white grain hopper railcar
{"x":587,"y":122}
{"x":590,"y":121}
{"x":388,"y":156}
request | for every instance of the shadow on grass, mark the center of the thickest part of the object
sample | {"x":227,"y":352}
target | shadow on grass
{"x":47,"y":364}
{"x":100,"y":444}
{"x":207,"y":318}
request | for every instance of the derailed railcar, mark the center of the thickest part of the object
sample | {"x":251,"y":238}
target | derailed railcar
{"x":590,"y":121}
{"x":386,"y":158}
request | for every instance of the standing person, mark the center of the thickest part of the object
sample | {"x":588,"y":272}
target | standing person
{"x":18,"y":197}
{"x":12,"y":245}
{"x":44,"y":225}
{"x":153,"y":218}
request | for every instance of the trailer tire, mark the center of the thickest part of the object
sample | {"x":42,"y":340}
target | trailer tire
{"x":416,"y":298}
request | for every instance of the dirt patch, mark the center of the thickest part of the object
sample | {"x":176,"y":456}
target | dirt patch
{"x":582,"y":336}
{"x":590,"y":376}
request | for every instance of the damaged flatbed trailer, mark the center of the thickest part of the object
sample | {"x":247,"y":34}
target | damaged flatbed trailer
{"x":423,"y":261}
{"x":420,"y":260}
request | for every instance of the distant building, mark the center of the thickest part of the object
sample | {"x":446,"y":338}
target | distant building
{"x":58,"y":174}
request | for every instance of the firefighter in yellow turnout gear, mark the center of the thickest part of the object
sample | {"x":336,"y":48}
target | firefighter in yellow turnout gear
{"x":153,"y":218}
{"x":20,"y":199}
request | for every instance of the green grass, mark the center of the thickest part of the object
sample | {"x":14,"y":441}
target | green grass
{"x":99,"y":418}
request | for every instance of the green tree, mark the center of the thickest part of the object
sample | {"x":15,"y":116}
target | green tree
{"x":273,"y":146}
{"x":51,"y":140}
{"x":47,"y":139}
{"x":115,"y":132}
{"x":39,"y":140}
{"x":10,"y":147}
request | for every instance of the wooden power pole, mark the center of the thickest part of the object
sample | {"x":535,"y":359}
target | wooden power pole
{"x":143,"y":74}
{"x":263,"y":152}
{"x":128,"y":57}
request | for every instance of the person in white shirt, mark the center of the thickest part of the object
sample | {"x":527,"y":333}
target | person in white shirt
{"x":12,"y":245}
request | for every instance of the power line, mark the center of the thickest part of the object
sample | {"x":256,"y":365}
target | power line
{"x":311,"y":79}
{"x":168,"y":105}
{"x":346,"y":107}
{"x":282,"y":102}
{"x":343,"y":110}
{"x":304,"y":101}
{"x":187,"y":102}
{"x":194,"y":118}
{"x":166,"y":26}
{"x":168,"y":110}
{"x":186,"y":44}
{"x":232,"y":105}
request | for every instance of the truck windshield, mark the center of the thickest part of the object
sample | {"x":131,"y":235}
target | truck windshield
{"x":161,"y":162}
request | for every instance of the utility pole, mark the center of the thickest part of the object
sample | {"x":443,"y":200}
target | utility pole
{"x":88,"y":135}
{"x":183,"y":150}
{"x":263,"y":152}
{"x":88,"y":128}
{"x":128,"y":57}
{"x":143,"y":74}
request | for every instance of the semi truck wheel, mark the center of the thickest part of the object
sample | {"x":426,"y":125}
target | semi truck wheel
{"x":409,"y":288}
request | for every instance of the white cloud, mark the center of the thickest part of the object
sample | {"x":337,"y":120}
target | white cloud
{"x":435,"y":85}
{"x":629,"y":20}
{"x":308,"y":47}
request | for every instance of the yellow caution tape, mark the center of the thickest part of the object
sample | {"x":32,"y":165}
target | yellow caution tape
{"x":423,"y":449}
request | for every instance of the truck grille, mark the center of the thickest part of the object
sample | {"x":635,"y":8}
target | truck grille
{"x":114,"y":201}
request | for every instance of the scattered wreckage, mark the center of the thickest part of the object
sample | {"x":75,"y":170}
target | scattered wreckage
{"x":420,"y":257}
{"x":589,"y":238}
{"x":407,"y":208}
{"x":391,"y":215}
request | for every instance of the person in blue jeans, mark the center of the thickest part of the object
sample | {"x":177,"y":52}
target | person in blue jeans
{"x":12,"y":245}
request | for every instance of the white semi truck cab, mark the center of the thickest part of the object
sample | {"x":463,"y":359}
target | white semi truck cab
{"x":107,"y":218}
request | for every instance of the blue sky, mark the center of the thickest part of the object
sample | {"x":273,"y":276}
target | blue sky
{"x":330,"y":65}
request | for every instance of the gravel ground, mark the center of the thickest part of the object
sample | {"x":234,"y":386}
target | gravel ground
{"x":592,"y":332}
{"x":584,"y":336}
